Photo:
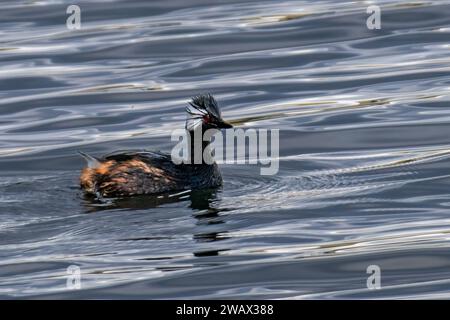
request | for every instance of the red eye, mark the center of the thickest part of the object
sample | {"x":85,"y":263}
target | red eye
{"x":206,"y":119}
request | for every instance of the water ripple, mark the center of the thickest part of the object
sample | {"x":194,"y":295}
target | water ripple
{"x":364,"y":149}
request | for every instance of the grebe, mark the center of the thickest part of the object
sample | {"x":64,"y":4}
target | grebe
{"x":127,"y":173}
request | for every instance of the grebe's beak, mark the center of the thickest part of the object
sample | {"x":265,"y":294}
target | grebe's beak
{"x":224,"y":125}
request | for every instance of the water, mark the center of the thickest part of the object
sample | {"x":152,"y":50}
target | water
{"x":364,"y":148}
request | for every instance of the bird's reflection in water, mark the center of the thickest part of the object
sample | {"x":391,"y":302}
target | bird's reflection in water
{"x":207,"y":213}
{"x":202,"y":202}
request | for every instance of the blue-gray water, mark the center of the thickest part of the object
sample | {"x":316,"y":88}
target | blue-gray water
{"x":364,"y":148}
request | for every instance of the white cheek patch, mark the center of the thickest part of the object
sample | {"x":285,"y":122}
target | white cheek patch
{"x":193,"y":123}
{"x":195,"y":116}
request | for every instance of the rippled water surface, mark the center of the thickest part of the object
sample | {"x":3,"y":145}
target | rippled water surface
{"x":364,"y":148}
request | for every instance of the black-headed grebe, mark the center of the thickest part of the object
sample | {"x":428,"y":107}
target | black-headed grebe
{"x":127,"y":173}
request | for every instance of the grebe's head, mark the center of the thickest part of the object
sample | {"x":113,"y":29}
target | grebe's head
{"x":204,"y":111}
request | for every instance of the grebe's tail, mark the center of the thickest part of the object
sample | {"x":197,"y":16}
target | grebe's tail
{"x":91,"y":161}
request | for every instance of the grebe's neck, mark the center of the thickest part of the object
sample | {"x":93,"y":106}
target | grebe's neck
{"x":197,"y":147}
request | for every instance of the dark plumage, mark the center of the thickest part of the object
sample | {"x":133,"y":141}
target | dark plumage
{"x":127,"y":173}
